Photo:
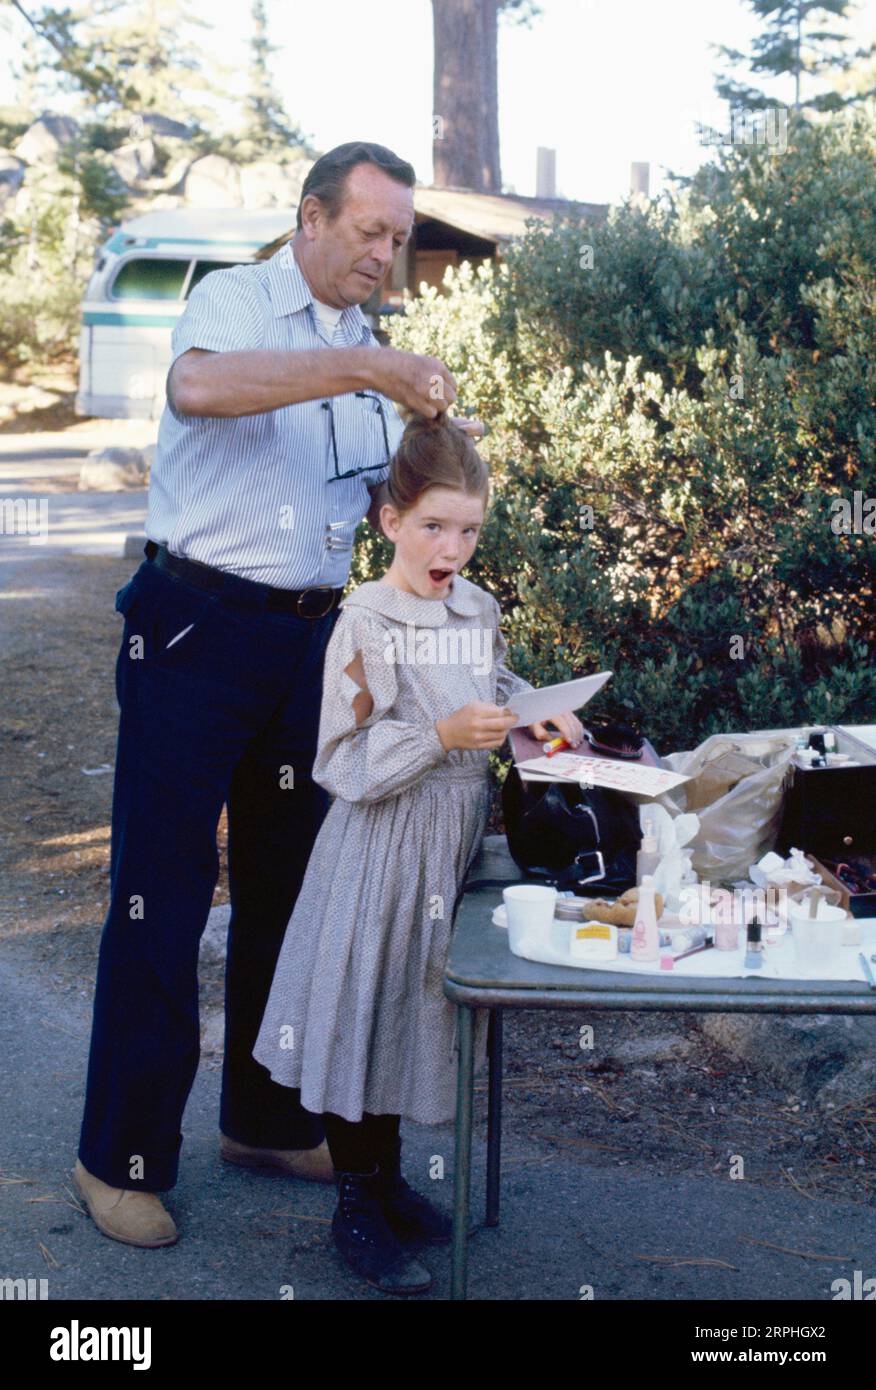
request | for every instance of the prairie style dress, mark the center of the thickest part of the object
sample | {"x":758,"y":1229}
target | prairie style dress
{"x":357,"y":1017}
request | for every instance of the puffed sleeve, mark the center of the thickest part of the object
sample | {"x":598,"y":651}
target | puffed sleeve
{"x":382,"y":756}
{"x":507,"y":683}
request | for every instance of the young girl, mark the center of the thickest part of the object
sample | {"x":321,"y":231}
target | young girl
{"x":415,"y":695}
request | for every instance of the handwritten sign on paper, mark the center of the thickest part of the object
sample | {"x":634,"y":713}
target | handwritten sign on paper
{"x":598,"y":772}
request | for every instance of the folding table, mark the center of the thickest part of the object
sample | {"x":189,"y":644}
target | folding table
{"x":481,"y":972}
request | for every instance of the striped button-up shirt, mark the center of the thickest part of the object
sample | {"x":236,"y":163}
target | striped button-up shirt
{"x":253,"y":494}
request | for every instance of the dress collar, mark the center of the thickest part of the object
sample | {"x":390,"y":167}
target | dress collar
{"x":465,"y":599}
{"x":290,"y":292}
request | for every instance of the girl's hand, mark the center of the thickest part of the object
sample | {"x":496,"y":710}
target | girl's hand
{"x":567,"y":726}
{"x":475,"y":429}
{"x":477,"y":725}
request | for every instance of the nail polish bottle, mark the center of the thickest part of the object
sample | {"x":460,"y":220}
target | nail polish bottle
{"x":754,"y":945}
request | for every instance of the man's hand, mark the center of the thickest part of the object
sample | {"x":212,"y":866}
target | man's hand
{"x":422,"y":384}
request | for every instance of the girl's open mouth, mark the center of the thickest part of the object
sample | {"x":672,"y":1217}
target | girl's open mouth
{"x":440,"y":577}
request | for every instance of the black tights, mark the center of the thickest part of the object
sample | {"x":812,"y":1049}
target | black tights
{"x":356,"y":1145}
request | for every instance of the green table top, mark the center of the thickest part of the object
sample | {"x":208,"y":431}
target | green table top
{"x":482,"y":970}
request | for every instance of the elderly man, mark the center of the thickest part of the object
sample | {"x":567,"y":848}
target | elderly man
{"x":274,"y":443}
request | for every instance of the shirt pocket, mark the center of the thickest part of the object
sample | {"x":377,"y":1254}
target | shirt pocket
{"x":360,"y":434}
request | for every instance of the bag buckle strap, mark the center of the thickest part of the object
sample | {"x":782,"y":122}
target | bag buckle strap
{"x":590,"y":859}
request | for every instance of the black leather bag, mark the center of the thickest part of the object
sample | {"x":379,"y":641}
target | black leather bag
{"x":582,"y":840}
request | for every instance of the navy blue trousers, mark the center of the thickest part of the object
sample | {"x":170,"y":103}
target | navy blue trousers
{"x":228,"y":713}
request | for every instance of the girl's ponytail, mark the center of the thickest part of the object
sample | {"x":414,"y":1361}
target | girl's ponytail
{"x":434,"y":453}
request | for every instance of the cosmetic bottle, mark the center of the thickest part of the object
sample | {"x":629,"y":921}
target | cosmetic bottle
{"x":647,"y":857}
{"x":754,"y":946}
{"x":727,"y":931}
{"x":645,"y":941}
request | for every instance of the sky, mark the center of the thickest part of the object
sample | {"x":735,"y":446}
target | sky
{"x":603,"y":82}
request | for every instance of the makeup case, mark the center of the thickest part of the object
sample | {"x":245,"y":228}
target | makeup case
{"x":830,"y":812}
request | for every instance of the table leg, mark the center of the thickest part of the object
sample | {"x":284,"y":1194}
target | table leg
{"x":462,"y":1157}
{"x":494,"y":1116}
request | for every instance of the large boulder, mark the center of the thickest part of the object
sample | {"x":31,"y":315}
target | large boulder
{"x":259,"y":184}
{"x":174,"y":177}
{"x":296,"y":171}
{"x":42,"y":143}
{"x":820,"y":1057}
{"x":11,"y":176}
{"x":213,"y":182}
{"x":133,"y":548}
{"x":162,"y":126}
{"x":113,"y":470}
{"x":160,"y":202}
{"x":134,"y":162}
{"x":268,"y":184}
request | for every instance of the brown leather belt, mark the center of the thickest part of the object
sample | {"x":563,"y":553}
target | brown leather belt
{"x":305,"y":603}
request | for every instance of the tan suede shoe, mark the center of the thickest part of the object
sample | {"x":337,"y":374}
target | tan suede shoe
{"x":135,"y":1218}
{"x":313,"y":1164}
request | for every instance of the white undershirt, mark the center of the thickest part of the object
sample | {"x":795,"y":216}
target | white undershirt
{"x":327,"y":318}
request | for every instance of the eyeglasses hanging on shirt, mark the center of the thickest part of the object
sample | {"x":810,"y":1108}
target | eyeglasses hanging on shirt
{"x":372,"y":468}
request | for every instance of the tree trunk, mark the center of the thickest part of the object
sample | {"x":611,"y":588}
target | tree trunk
{"x":465,"y":146}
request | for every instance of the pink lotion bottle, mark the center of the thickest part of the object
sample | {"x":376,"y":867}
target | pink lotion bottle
{"x":645,"y":942}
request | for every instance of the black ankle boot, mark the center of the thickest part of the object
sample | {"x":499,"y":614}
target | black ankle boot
{"x":409,"y":1216}
{"x":366,"y":1242}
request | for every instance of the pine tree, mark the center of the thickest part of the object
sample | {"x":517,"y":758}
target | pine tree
{"x":268,"y":129}
{"x":789,"y":46}
{"x":127,"y":55}
{"x":29,"y":78}
{"x":151,"y":48}
{"x":465,"y":144}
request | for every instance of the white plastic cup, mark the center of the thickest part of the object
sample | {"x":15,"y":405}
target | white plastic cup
{"x":529,"y":908}
{"x":817,"y":940}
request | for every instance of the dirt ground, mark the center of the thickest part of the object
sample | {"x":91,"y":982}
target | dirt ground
{"x":60,"y":636}
{"x":39,"y":398}
{"x":681,"y":1108}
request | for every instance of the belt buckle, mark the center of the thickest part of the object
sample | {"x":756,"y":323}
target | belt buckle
{"x":306,"y":594}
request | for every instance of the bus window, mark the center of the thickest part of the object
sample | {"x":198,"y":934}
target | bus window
{"x":156,"y":277}
{"x":203,"y":268}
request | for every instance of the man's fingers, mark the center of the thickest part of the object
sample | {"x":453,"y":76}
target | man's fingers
{"x":448,"y":395}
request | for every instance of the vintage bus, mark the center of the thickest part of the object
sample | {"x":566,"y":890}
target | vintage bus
{"x":138,"y":289}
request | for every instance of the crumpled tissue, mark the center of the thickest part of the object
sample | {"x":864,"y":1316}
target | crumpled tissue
{"x":673,"y":834}
{"x":773,"y":871}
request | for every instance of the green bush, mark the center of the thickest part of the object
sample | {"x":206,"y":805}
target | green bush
{"x":706,"y":387}
{"x":47,"y":246}
{"x":34,"y":328}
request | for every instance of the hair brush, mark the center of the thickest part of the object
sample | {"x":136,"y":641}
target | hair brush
{"x":618,"y":740}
